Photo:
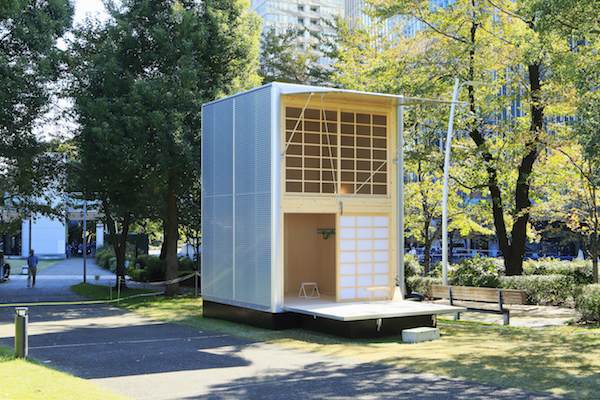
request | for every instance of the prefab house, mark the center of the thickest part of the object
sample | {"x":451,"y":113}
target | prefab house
{"x":301,"y":201}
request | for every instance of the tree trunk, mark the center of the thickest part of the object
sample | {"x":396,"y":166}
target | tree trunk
{"x":427,"y":258}
{"x":120,"y":246}
{"x":595,"y":256}
{"x":513,"y":247}
{"x":163,"y":246}
{"x":450,"y":250}
{"x":171,"y":224}
{"x":514,"y":261}
{"x":594,"y":244}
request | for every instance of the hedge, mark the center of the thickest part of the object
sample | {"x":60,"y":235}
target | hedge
{"x":153,"y":269}
{"x":411,"y":266}
{"x":587,"y":302}
{"x":103,"y":255}
{"x":542,"y":289}
{"x":478,"y":272}
{"x":579,"y":270}
{"x":421,"y":284}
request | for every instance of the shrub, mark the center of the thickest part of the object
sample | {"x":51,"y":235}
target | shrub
{"x":478,"y":272}
{"x":112,"y":264}
{"x":411,"y":266}
{"x":579,"y":270}
{"x":156,"y":269}
{"x":435,"y":270}
{"x":103,"y":255}
{"x":143,"y":260}
{"x":587,"y":302}
{"x":186,"y":264}
{"x":138,"y":275}
{"x":421,"y":284}
{"x":190,"y":282}
{"x":542,"y":289}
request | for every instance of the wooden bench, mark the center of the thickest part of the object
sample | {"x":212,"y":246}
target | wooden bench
{"x":481,"y":299}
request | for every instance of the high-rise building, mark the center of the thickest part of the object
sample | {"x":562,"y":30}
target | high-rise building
{"x":309,"y":14}
{"x":354,"y":11}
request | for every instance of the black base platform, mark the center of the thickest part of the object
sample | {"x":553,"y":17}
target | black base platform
{"x":368,"y":328}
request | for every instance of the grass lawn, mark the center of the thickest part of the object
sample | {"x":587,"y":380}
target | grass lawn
{"x":563,"y":361}
{"x":27,"y":379}
{"x":17,"y":264}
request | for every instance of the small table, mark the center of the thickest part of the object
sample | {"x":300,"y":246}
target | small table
{"x":372,"y":291}
{"x":315,"y":289}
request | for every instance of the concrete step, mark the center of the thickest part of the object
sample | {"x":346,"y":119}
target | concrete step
{"x":423,"y":334}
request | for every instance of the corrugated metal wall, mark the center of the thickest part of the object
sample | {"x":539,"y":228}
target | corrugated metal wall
{"x":236,"y":200}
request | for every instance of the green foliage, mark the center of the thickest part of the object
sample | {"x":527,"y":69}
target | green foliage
{"x":153,"y":269}
{"x":546,"y":281}
{"x":478,"y":272}
{"x":435,"y":270}
{"x":411,"y":266}
{"x":187,"y":264}
{"x":112,"y":264}
{"x":542,"y":289}
{"x":30,"y":66}
{"x":106,"y":257}
{"x":578,"y":270}
{"x":138,"y":275}
{"x":587,"y":302}
{"x":139,"y":81}
{"x":142,"y":260}
{"x":499,"y":44}
{"x":292,"y":55}
{"x":421,"y":284}
{"x":103,"y":255}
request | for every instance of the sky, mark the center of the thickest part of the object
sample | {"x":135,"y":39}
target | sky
{"x":87,"y":6}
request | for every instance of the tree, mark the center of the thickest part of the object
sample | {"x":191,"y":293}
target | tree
{"x":499,"y":42}
{"x":142,"y":80}
{"x":569,"y":192}
{"x":192,"y":221}
{"x":423,"y":189}
{"x":578,"y":24}
{"x":30,"y":63}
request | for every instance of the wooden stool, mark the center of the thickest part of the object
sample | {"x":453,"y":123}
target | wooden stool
{"x":315,"y":289}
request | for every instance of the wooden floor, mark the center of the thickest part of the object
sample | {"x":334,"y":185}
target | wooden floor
{"x":326,"y":307}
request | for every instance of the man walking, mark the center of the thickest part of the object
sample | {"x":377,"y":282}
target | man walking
{"x":32,"y":262}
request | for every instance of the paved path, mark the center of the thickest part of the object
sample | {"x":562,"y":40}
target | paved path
{"x":147,"y":359}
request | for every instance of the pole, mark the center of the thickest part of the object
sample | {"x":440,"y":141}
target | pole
{"x":30,"y":218}
{"x":445,"y":194}
{"x":84,"y":239}
{"x":21,"y":338}
{"x":400,"y":194}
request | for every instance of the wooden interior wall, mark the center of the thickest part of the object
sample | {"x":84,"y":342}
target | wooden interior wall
{"x":308,"y":256}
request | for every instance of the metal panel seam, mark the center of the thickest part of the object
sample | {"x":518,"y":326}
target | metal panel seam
{"x":233,"y":199}
{"x":276,"y":276}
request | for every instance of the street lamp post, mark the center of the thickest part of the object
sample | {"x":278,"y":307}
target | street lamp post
{"x":446,"y":173}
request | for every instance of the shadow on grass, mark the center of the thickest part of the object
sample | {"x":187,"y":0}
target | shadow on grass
{"x":562,"y":364}
{"x":558,"y":364}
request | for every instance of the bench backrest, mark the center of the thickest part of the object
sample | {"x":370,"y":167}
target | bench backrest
{"x":468,"y":293}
